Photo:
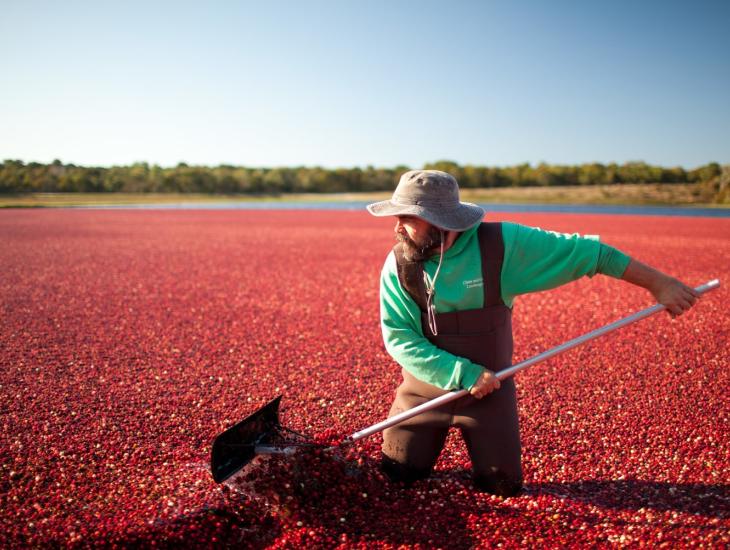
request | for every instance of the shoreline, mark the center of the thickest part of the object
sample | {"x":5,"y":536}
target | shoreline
{"x":626,"y":195}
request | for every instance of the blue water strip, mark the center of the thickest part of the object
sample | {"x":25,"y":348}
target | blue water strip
{"x":360,"y":205}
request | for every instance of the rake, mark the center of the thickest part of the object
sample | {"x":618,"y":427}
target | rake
{"x":262,"y":433}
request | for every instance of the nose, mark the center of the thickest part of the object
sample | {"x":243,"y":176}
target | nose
{"x":400,"y":228}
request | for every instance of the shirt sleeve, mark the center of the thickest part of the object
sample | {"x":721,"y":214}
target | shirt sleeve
{"x":536,"y":259}
{"x":403,"y":336}
{"x":612,"y":262}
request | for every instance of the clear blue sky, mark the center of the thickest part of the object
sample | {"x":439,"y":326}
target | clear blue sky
{"x":352,"y":83}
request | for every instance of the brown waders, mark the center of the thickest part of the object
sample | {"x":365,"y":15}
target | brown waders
{"x":489,"y":426}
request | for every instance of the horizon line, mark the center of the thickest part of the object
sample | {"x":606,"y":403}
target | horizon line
{"x":354,"y":167}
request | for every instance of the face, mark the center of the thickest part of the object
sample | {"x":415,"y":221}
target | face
{"x":420,"y":239}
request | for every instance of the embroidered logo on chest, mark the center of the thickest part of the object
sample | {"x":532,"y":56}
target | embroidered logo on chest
{"x":474,"y":283}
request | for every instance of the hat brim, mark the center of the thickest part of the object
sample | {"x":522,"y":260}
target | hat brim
{"x":461,"y":218}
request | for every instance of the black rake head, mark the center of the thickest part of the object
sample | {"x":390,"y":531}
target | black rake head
{"x":236,"y":447}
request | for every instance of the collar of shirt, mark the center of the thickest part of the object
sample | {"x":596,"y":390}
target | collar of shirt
{"x":459,"y":245}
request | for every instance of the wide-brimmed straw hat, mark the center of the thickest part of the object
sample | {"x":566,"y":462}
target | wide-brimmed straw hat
{"x":433,"y":196}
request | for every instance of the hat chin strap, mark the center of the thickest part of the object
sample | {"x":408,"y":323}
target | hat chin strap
{"x":431,"y":289}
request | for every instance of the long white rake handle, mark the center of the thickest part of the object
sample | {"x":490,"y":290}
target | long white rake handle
{"x":506,"y":373}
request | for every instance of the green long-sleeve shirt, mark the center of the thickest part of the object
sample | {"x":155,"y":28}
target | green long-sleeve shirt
{"x":534,"y":260}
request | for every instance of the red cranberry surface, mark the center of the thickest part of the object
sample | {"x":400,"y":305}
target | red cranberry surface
{"x":130,"y":339}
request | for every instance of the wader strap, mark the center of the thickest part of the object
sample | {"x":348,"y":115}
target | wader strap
{"x":410,"y":275}
{"x":491,"y":247}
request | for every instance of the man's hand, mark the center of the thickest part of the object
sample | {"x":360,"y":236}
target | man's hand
{"x":668,"y":291}
{"x":676,"y":296}
{"x":486,"y":383}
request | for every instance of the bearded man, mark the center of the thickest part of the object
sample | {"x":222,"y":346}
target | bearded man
{"x":446,"y":295}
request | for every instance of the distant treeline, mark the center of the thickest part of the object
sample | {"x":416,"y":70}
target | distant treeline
{"x":19,"y":177}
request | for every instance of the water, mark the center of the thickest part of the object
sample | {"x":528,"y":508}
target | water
{"x":360,"y":205}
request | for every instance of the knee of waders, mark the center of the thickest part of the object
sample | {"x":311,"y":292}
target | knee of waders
{"x":399,"y":472}
{"x":498,"y":483}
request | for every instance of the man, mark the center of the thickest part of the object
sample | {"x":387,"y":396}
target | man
{"x":446,"y":295}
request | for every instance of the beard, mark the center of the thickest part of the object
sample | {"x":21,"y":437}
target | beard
{"x":418,"y":251}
